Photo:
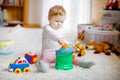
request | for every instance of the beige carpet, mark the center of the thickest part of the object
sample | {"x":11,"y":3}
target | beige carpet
{"x":106,"y":68}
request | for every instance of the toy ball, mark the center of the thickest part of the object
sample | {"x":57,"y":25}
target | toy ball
{"x":42,"y":66}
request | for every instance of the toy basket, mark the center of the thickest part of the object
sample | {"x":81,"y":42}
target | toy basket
{"x":81,"y":30}
{"x":6,"y":46}
{"x":102,"y":35}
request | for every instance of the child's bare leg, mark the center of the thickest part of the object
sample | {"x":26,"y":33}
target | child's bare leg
{"x":49,"y":56}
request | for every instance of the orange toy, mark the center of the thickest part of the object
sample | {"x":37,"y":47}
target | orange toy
{"x":65,"y":45}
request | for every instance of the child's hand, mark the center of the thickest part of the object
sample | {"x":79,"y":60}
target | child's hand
{"x":63,"y":43}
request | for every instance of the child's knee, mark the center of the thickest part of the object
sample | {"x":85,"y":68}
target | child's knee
{"x":76,"y":60}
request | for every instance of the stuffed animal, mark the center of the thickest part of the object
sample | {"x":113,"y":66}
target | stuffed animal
{"x":90,"y":45}
{"x":102,"y":46}
{"x":81,"y":35}
{"x":79,"y":49}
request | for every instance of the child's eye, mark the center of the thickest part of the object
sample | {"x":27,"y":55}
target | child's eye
{"x":57,"y":21}
{"x":61,"y":21}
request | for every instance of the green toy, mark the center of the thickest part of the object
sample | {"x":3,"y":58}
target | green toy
{"x":64,"y":58}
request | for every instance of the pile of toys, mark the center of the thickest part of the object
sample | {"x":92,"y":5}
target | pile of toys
{"x":112,"y":5}
{"x":65,"y":57}
{"x":108,"y":27}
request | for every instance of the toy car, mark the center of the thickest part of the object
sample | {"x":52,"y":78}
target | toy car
{"x":21,"y":64}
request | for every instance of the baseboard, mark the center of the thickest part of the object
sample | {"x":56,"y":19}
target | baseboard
{"x":33,"y":26}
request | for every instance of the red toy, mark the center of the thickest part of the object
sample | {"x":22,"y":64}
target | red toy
{"x":112,"y":5}
{"x":31,"y":58}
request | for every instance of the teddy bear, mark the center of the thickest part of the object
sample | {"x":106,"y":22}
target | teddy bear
{"x":79,"y":49}
{"x":103,"y":46}
{"x":81,"y":35}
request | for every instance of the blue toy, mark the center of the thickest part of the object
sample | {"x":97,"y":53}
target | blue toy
{"x":2,"y":23}
{"x":20,"y":64}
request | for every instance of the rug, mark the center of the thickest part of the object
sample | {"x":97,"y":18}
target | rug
{"x":28,"y":39}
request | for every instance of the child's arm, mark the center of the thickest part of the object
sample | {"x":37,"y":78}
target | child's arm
{"x":54,"y":35}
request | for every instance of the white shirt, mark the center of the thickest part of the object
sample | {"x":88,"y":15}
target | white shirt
{"x":50,"y":38}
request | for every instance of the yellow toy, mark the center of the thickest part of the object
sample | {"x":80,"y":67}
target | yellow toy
{"x":6,"y":47}
{"x":79,"y":49}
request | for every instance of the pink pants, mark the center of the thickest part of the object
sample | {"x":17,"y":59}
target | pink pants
{"x":49,"y":56}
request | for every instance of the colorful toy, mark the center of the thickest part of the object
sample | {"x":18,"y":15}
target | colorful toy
{"x":31,"y":58}
{"x":64,"y":58}
{"x":6,"y":46}
{"x":79,"y":49}
{"x":2,"y":22}
{"x":112,"y":5}
{"x":108,"y":27}
{"x":19,"y":65}
{"x":81,"y":35}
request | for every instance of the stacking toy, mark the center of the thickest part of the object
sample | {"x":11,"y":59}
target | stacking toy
{"x":6,"y":46}
{"x":64,"y":58}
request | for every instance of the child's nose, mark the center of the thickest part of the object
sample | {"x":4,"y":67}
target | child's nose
{"x":59,"y":22}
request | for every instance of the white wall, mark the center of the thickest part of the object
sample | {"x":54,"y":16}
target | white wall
{"x":36,"y":11}
{"x":34,"y":14}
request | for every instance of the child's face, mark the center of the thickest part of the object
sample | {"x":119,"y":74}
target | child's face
{"x":56,"y":22}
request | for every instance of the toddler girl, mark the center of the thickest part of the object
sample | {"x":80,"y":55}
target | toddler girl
{"x":52,"y":39}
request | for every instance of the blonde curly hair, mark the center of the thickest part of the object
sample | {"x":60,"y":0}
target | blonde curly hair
{"x":57,"y":10}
